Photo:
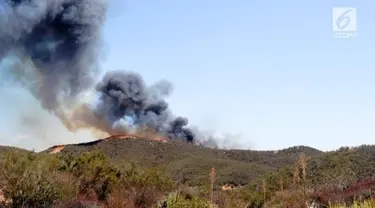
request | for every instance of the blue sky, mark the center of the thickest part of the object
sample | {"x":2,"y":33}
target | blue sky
{"x":270,"y":71}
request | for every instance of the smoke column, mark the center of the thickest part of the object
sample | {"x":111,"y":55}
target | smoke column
{"x":124,"y":95}
{"x":60,"y":37}
{"x":57,"y":46}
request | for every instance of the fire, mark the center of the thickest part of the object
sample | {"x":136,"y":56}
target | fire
{"x":140,"y":135}
{"x":57,"y":149}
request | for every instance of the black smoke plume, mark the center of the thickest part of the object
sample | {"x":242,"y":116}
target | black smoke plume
{"x":60,"y":40}
{"x":124,"y":95}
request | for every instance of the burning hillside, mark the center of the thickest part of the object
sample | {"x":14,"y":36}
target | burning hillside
{"x":57,"y":45}
{"x":59,"y":148}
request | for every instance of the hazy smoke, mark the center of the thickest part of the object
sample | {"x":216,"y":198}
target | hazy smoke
{"x":61,"y":38}
{"x":57,"y":43}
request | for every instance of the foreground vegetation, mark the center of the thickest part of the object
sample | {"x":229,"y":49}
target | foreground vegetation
{"x":144,"y":174}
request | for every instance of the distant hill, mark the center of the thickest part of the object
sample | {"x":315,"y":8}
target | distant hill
{"x":193,"y":162}
{"x":9,"y":148}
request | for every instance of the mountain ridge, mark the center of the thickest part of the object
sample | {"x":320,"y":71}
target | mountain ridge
{"x":234,"y":166}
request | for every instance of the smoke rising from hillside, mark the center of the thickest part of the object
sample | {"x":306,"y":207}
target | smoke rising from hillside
{"x":124,"y":95}
{"x":57,"y":46}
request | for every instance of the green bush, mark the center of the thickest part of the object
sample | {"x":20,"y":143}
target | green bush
{"x":175,"y":201}
{"x":143,"y":188}
{"x":364,"y":204}
{"x":29,"y":180}
{"x":93,"y":172}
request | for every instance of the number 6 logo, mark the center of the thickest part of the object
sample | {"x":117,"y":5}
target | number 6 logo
{"x":343,"y":18}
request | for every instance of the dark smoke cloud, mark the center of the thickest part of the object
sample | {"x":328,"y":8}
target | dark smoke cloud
{"x":61,"y":37}
{"x":60,"y":40}
{"x":125,"y":95}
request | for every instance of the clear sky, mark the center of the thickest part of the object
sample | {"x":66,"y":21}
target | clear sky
{"x":270,"y":71}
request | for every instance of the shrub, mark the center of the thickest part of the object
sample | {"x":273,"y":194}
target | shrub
{"x":94,"y":173}
{"x":287,"y":199}
{"x":175,"y":201}
{"x":364,"y":204}
{"x":140,"y":189}
{"x":30,"y":180}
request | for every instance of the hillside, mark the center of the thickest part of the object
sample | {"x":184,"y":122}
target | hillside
{"x":9,"y":148}
{"x":237,"y":167}
{"x":341,"y":175}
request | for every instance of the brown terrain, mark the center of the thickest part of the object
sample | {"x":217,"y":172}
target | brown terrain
{"x":58,"y":148}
